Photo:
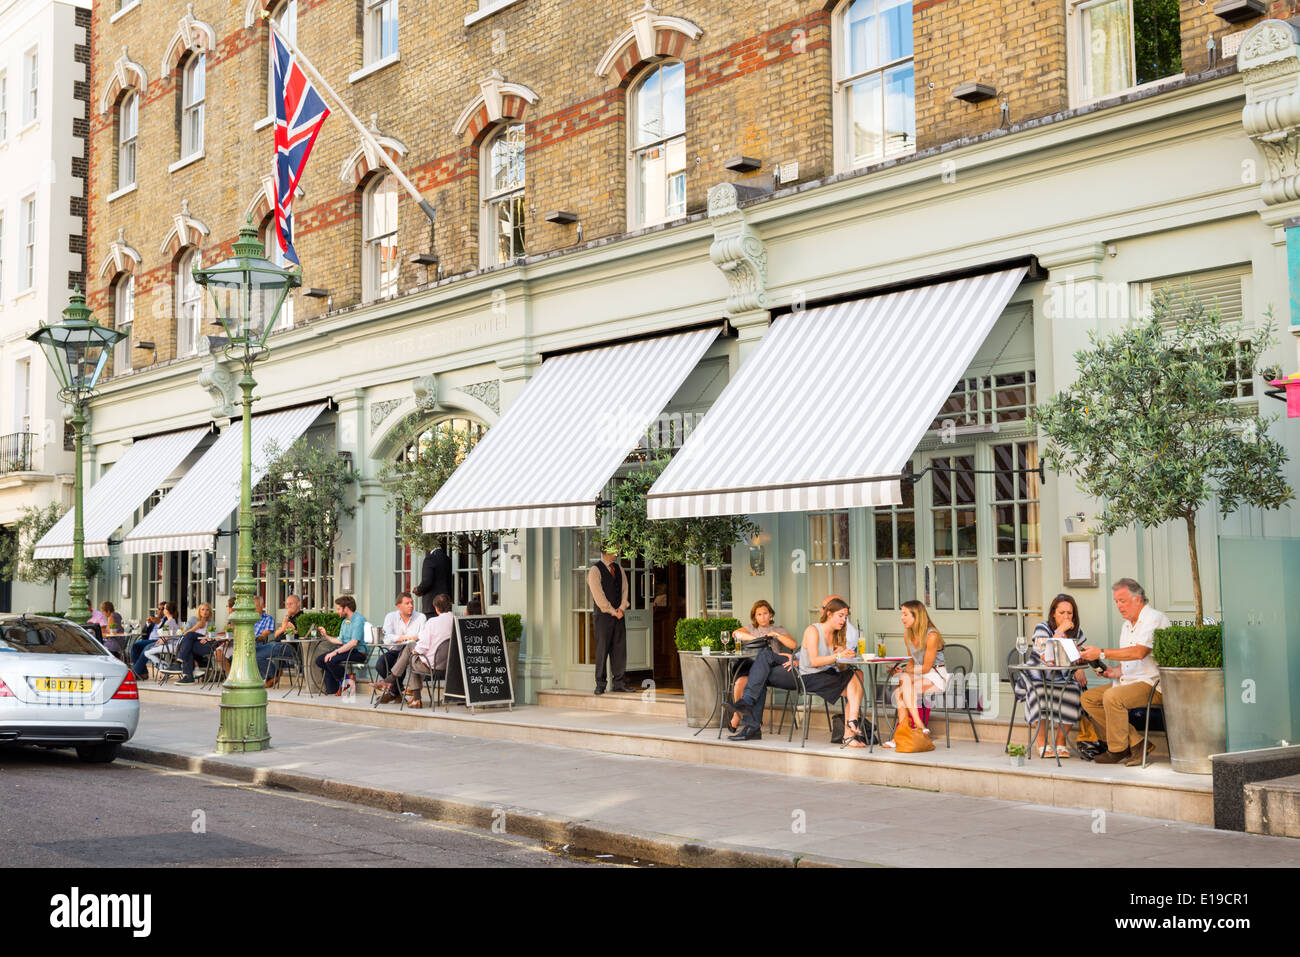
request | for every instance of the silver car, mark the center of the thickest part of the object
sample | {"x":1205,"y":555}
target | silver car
{"x":61,"y":688}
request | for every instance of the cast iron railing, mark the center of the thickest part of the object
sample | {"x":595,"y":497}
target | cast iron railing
{"x":16,"y":451}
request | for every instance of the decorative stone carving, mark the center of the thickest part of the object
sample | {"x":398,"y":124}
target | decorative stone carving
{"x":126,"y":75}
{"x":380,"y":411}
{"x":497,"y":100}
{"x":121,"y":257}
{"x":185,"y":231}
{"x":489,"y":393}
{"x":426,"y":393}
{"x":649,"y":35}
{"x":1269,"y":63}
{"x":191,"y":34}
{"x":217,"y":376}
{"x":738,"y":251}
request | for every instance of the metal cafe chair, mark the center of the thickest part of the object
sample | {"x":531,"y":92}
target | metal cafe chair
{"x":361,"y":670}
{"x":1143,"y":715}
{"x":1013,"y":658}
{"x":956,"y":697}
{"x":802,"y":702}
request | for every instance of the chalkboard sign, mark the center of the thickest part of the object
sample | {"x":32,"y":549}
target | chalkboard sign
{"x":476,"y":666}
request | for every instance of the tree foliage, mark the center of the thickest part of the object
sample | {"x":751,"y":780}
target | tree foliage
{"x":306,"y":494}
{"x":17,"y":561}
{"x":1150,"y":428}
{"x":697,"y":541}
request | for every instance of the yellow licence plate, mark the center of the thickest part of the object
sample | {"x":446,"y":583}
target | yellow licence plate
{"x":64,"y":685}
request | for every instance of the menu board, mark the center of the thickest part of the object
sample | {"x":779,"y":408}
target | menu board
{"x":476,"y":666}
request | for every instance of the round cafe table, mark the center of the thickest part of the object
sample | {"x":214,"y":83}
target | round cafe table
{"x":1049,"y":678}
{"x":870,"y":664}
{"x":725,"y":677}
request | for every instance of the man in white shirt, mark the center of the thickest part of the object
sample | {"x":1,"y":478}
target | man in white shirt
{"x":426,"y":656}
{"x":1137,"y":672}
{"x":402,"y":625}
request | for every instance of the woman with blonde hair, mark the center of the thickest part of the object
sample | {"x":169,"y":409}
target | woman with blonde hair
{"x":822,"y":671}
{"x":925,"y":673}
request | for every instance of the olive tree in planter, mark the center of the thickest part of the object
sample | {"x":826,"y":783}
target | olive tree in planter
{"x":17,"y":551}
{"x":1150,"y":430}
{"x":1191,"y":663}
{"x":698,"y":541}
{"x":305,"y":495}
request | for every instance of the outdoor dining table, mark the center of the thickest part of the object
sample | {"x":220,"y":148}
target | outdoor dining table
{"x":725,"y":676}
{"x":869,"y":664}
{"x":1048,"y":682}
{"x":308,"y":648}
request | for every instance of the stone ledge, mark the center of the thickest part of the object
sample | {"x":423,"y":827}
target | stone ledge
{"x":1232,"y":772}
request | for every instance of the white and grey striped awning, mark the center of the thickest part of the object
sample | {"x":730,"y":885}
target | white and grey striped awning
{"x":544,"y":464}
{"x":110,"y":501}
{"x":829,"y":408}
{"x":192,"y":513}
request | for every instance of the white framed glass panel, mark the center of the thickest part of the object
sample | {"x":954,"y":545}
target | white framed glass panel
{"x":504,"y":169}
{"x":128,"y":125}
{"x":28,"y":264}
{"x":875,"y":83}
{"x":286,"y":19}
{"x":123,"y":318}
{"x":189,"y":305}
{"x":31,"y":84}
{"x":271,"y":249}
{"x":193,"y":92}
{"x":659,"y":145}
{"x":4,"y":105}
{"x":380,"y":239}
{"x":381,"y":29}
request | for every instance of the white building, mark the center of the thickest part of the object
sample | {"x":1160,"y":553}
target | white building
{"x":44,"y":53}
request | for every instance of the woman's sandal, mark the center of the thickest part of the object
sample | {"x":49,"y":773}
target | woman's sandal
{"x":414,"y":701}
{"x":853,"y":737}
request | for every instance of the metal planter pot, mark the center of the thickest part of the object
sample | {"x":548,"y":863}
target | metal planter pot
{"x":1194,"y":716}
{"x":700,"y":686}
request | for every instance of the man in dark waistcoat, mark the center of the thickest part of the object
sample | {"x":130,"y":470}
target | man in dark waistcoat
{"x":611,"y":597}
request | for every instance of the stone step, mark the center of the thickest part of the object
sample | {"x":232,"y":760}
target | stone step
{"x":980,"y":770}
{"x":1273,"y":807}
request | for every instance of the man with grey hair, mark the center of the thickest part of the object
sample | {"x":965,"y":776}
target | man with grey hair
{"x":1137,"y":672}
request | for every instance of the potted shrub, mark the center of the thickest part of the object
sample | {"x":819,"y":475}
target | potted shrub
{"x":1017,"y":753}
{"x":514,"y":633}
{"x":1191,"y":682}
{"x":306,"y":625}
{"x":699,"y":675}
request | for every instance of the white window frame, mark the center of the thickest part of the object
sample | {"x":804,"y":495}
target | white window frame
{"x":189,"y":304}
{"x":23,"y":395}
{"x":286,"y":19}
{"x":123,"y":319}
{"x":2,"y":258}
{"x":271,"y":247}
{"x":1080,"y":88}
{"x":31,"y":86}
{"x":507,"y":201}
{"x":845,"y":158}
{"x":192,"y":104}
{"x":128,"y":129}
{"x":27,"y":265}
{"x":375,"y":282}
{"x":376,"y":51}
{"x":4,"y":105}
{"x":822,"y":563}
{"x":651,"y":150}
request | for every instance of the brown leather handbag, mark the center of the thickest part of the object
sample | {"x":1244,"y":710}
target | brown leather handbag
{"x":908,"y":740}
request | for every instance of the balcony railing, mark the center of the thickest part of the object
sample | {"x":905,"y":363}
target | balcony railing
{"x":17,"y":451}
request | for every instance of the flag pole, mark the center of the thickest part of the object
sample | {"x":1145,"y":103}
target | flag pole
{"x":366,"y":135}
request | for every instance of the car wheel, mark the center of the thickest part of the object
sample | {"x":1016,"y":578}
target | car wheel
{"x":98,"y":753}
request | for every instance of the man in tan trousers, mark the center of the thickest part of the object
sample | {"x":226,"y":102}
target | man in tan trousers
{"x":1137,"y":672}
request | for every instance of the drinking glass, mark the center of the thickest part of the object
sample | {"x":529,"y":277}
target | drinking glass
{"x":726,"y":642}
{"x":1022,"y":646}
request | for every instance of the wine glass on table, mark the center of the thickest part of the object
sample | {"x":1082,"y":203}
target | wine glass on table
{"x":1022,"y":646}
{"x":726,"y":642}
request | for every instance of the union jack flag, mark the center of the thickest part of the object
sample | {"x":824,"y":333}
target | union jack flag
{"x":299,"y":113}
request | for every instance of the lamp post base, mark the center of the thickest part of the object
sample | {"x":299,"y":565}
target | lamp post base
{"x":243,"y":721}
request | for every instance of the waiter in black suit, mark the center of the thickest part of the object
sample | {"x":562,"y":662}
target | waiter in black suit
{"x":435,"y":579}
{"x":608,"y":584}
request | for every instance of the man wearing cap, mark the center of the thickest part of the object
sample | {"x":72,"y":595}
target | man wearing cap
{"x":610,"y":596}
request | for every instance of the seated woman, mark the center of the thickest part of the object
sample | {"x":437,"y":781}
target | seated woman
{"x":165,"y":636}
{"x":762,"y":624}
{"x":351,"y":644}
{"x":195,"y":645}
{"x":824,"y":675}
{"x":925,"y":673}
{"x":1062,"y":622}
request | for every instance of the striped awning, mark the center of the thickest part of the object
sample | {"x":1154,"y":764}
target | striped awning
{"x":191,"y":514}
{"x":546,"y":461}
{"x":830,"y":407}
{"x":110,"y":501}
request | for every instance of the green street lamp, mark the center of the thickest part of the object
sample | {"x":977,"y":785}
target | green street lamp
{"x":248,"y":283}
{"x":77,"y":349}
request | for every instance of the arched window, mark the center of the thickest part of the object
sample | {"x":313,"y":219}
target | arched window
{"x":286,"y":19}
{"x":193,"y":92}
{"x":501,"y":174}
{"x":271,"y":245}
{"x":189,"y":304}
{"x":128,"y":126}
{"x":658,"y":135}
{"x":875,"y":113}
{"x":379,"y":265}
{"x":463,"y":548}
{"x":123,"y":318}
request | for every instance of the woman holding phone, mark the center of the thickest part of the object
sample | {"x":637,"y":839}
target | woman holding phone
{"x":926,"y":673}
{"x":1062,"y":622}
{"x":351,"y":644}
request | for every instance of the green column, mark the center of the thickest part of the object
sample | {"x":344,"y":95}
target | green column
{"x":78,"y":606}
{"x":243,"y":696}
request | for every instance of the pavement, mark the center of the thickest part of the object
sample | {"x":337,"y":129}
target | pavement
{"x":677,"y":813}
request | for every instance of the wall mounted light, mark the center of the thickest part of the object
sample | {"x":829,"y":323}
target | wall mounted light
{"x":562,"y":217}
{"x":743,"y":164}
{"x":974,"y":92}
{"x":313,"y":292}
{"x":125,"y":588}
{"x":345,"y":578}
{"x":223,"y":581}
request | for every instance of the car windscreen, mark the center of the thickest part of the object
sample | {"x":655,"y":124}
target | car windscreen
{"x":46,"y":638}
